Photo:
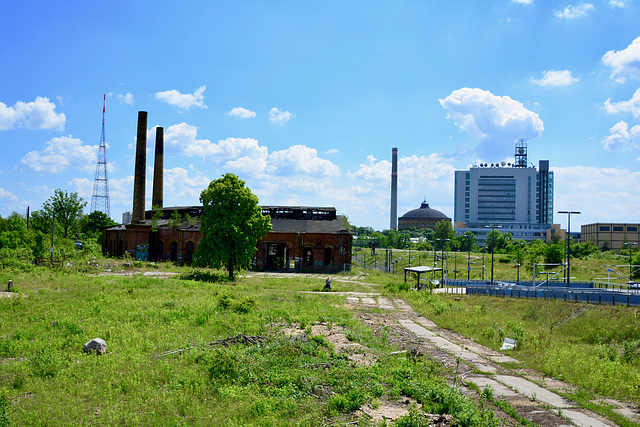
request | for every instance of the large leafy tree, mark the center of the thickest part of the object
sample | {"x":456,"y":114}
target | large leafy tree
{"x":231,"y":225}
{"x":67,"y":208}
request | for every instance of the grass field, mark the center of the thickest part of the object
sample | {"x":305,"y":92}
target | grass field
{"x":193,"y":349}
{"x":194,"y":352}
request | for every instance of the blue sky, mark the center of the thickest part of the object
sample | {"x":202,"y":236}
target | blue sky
{"x":305,"y":100}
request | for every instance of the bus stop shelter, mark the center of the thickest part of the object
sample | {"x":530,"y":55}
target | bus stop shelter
{"x":419,"y":271}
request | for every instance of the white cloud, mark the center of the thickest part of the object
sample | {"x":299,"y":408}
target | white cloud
{"x":632,"y":105}
{"x":555,"y":78}
{"x":493,"y":121}
{"x":621,"y":138}
{"x":571,"y":11}
{"x":38,"y":114}
{"x":242,"y":113}
{"x":522,"y":1}
{"x":332,"y":151}
{"x":299,"y":159}
{"x":126,"y":99}
{"x":60,"y":154}
{"x":588,"y":189}
{"x":279,"y":117}
{"x":84,"y":188}
{"x":624,"y":63}
{"x":178,"y":185}
{"x":4,"y":194}
{"x":617,"y":3}
{"x":183,"y":101}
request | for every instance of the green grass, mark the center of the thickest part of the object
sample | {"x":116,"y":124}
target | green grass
{"x":279,"y":380}
{"x":596,"y":348}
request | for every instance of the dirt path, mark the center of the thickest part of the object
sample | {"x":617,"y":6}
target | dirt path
{"x":530,"y":393}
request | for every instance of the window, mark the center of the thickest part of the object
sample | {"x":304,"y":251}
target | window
{"x":632,"y":228}
{"x":618,"y":228}
{"x":307,"y":257}
{"x":605,"y":228}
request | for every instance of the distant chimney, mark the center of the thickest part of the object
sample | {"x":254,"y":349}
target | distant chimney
{"x":158,"y":170}
{"x":140,"y":174}
{"x":394,"y":189}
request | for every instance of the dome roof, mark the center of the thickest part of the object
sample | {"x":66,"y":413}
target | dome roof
{"x":424,"y":212}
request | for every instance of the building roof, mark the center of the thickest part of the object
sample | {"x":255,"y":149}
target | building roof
{"x":424,"y":212}
{"x":336,"y":226}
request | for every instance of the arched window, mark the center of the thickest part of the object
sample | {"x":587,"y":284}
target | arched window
{"x":188,"y":256}
{"x":174,"y":251}
{"x":328,"y":256}
{"x":307,"y":257}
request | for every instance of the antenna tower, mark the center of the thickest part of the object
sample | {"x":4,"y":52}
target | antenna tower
{"x":100,"y":197}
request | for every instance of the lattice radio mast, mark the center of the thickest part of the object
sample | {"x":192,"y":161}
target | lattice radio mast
{"x":100,"y":197}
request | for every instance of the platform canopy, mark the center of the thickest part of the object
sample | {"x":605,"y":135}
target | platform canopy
{"x":419,"y":271}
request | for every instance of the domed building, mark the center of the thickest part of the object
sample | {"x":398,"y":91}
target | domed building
{"x":423,"y":217}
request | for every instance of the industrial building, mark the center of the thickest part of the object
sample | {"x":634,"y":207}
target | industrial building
{"x":304,"y":239}
{"x":515,"y":197}
{"x":611,"y":235}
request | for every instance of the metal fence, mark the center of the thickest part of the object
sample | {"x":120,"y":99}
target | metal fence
{"x":580,"y":292}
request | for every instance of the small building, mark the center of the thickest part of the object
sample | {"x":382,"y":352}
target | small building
{"x":611,"y":235}
{"x":423,"y":217}
{"x":304,"y":239}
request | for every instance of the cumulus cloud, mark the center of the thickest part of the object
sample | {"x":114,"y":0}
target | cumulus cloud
{"x":494,"y":122}
{"x":555,"y":78}
{"x":624,"y":63}
{"x":60,"y":154}
{"x":621,"y":138}
{"x":617,"y":3}
{"x":242,"y":113}
{"x":587,"y":189}
{"x":183,"y":101}
{"x":572,"y":12}
{"x":277,"y":117}
{"x":247,"y":156}
{"x":632,"y":105}
{"x":4,"y":194}
{"x":38,"y":114}
{"x":299,"y":159}
{"x":126,"y":99}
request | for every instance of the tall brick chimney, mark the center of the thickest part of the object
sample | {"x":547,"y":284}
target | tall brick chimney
{"x":140,"y":173}
{"x":394,"y":190}
{"x":158,"y":170}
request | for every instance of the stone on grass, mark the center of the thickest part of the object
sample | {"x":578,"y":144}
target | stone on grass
{"x":97,"y":344}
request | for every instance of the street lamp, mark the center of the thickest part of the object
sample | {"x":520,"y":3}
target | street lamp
{"x":407,"y":246}
{"x":442,"y":257}
{"x":493,"y":244}
{"x":569,"y":242}
{"x":519,"y":245}
{"x":468,"y":256}
{"x":630,"y":267}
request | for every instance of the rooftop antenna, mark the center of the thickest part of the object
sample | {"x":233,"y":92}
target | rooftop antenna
{"x":100,"y":197}
{"x":520,"y":153}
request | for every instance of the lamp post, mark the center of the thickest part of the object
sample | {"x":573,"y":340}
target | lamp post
{"x":409,"y":247}
{"x":630,"y":245}
{"x":520,"y":244}
{"x":53,"y":233}
{"x":442,"y":257}
{"x":568,"y":238}
{"x":483,"y":264}
{"x":493,"y":244}
{"x":468,"y":256}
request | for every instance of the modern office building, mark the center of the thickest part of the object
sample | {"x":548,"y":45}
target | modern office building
{"x":611,"y":236}
{"x":515,"y":197}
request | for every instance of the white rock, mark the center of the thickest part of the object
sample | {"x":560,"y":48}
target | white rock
{"x":97,"y":344}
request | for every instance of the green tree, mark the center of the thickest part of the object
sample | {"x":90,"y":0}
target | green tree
{"x":67,"y":208}
{"x":92,"y":225}
{"x":444,"y":230}
{"x":231,"y":225}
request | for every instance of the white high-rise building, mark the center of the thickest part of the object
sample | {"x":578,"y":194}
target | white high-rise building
{"x":518,"y":198}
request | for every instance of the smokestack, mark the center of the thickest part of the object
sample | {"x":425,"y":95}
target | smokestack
{"x":140,"y":174}
{"x":158,"y":170}
{"x":394,"y":189}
